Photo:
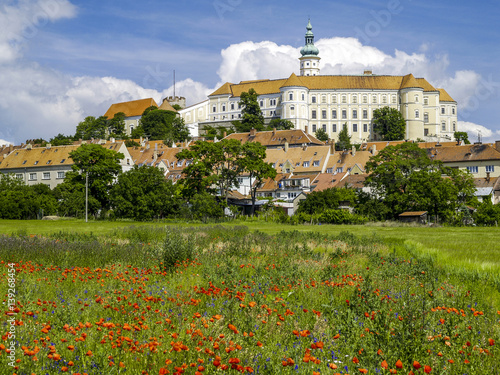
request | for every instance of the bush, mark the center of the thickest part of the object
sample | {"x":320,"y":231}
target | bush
{"x":175,"y":249}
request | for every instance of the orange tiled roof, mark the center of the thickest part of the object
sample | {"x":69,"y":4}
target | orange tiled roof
{"x":277,"y":138}
{"x":131,"y":109}
{"x":464,"y":153}
{"x":445,"y":97}
{"x":39,"y":157}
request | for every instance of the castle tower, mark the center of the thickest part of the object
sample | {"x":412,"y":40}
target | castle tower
{"x":309,"y":62}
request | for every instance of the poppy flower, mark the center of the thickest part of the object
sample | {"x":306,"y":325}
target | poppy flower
{"x":416,"y":365}
{"x":427,"y":369}
{"x":384,"y":364}
{"x":399,"y":364}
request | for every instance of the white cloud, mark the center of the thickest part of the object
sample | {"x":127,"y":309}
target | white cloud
{"x":4,"y":142}
{"x":36,"y":101}
{"x":22,"y":21}
{"x":474,"y":130}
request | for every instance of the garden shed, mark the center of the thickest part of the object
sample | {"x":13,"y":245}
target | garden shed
{"x":419,"y":217}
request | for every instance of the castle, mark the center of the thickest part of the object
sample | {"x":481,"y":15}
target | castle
{"x":312,"y":101}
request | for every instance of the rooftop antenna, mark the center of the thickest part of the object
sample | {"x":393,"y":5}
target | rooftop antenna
{"x":174,"y":83}
{"x":479,"y":136}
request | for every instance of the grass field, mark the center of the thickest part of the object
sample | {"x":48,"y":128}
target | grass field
{"x":112,"y":298}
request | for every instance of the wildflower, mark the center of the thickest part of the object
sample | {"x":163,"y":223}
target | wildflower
{"x":416,"y":365}
{"x":384,"y":364}
{"x":427,"y":369}
{"x":399,"y":364}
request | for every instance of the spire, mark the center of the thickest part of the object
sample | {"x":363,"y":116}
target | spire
{"x":309,"y":61}
{"x":309,"y":49}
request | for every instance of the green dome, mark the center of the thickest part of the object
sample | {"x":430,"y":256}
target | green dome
{"x":309,"y":49}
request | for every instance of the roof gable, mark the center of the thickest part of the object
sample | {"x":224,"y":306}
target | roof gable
{"x":131,"y":109}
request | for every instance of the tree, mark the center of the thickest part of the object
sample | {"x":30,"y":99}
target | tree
{"x":158,"y":124}
{"x":321,"y":135}
{"x":116,"y":125}
{"x":253,"y":163}
{"x":406,"y":179}
{"x":344,"y":142}
{"x":389,"y":124}
{"x":462,"y":136}
{"x":102,"y":166}
{"x":252,"y":117}
{"x":92,"y":128}
{"x":212,"y":132}
{"x":142,"y":193}
{"x":61,"y":140}
{"x":280,"y":124}
{"x":318,"y":201}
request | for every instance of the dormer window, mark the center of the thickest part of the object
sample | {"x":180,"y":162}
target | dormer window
{"x":305,"y":164}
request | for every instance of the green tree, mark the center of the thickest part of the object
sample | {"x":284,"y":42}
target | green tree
{"x":406,"y":179}
{"x":158,"y":124}
{"x":116,"y":126}
{"x":142,"y":193}
{"x":216,"y":132}
{"x":389,"y":124}
{"x":318,"y":201}
{"x":253,"y":163}
{"x":280,"y":124}
{"x":92,"y":128}
{"x":462,"y":136}
{"x":216,"y":166}
{"x":487,"y":214}
{"x":344,"y":142}
{"x":252,"y":117}
{"x":321,"y":135}
{"x":102,"y":167}
{"x":61,"y":140}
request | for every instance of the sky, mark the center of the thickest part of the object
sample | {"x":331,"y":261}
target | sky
{"x":63,"y":60}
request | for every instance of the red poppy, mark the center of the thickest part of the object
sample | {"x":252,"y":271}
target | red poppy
{"x":427,"y":369}
{"x":384,"y":364}
{"x":399,"y":364}
{"x":416,"y":365}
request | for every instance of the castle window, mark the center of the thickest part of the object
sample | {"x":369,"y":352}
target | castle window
{"x":303,"y":97}
{"x":443,"y":126}
{"x":334,"y":99}
{"x":223,"y":108}
{"x":290,"y":96}
{"x":214,"y":108}
{"x":365,"y":114}
{"x":354,"y":128}
{"x":334,"y":128}
{"x":314,"y":128}
{"x":344,"y":99}
{"x":426,"y":132}
{"x":394,"y":100}
{"x":324,"y":127}
{"x":355,"y":113}
{"x":374,"y":98}
{"x":452,"y":110}
{"x":384,"y":99}
{"x":454,"y":127}
{"x":426,"y":100}
{"x":344,"y":114}
{"x":365,"y":99}
{"x":417,"y":114}
{"x":334,"y":113}
{"x":313,"y":114}
{"x":365,"y":128}
{"x":426,"y":117}
{"x":355,"y":99}
{"x":313,"y":99}
{"x":416,"y":98}
{"x":323,"y":114}
{"x":323,"y":99}
{"x":261,"y":103}
{"x":232,"y":106}
{"x":443,"y":110}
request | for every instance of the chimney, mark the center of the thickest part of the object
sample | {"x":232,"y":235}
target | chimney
{"x":274,"y":131}
{"x":304,"y":146}
{"x":49,"y":146}
{"x":29,"y":146}
{"x":367,"y":73}
{"x":253,"y":132}
{"x":487,"y":176}
{"x":374,"y":149}
{"x":286,"y":146}
{"x":497,"y":145}
{"x":148,"y":146}
{"x":112,"y":140}
{"x":306,"y":129}
{"x":353,"y":150}
{"x":332,"y":148}
{"x":225,"y":134}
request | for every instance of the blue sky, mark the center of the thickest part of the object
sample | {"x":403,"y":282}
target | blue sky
{"x":62,"y":60}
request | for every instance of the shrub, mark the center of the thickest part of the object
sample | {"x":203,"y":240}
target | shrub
{"x":175,"y":249}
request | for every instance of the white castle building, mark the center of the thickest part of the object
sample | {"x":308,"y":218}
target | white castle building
{"x":313,"y":101}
